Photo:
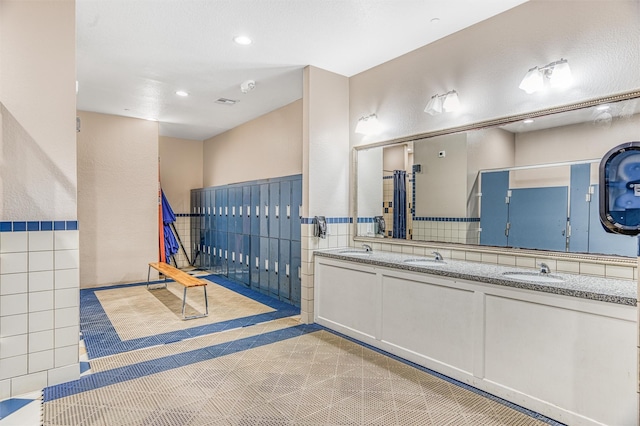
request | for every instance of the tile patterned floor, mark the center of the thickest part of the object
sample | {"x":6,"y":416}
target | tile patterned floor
{"x":255,"y":369}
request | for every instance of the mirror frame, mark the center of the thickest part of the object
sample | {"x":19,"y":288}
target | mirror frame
{"x":479,"y":126}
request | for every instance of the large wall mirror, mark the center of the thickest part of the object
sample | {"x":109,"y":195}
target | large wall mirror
{"x":530,"y":182}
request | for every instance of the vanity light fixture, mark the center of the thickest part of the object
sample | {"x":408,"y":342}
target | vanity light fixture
{"x":368,"y":125}
{"x":182,"y":93}
{"x":557,"y":73}
{"x":242,"y":40}
{"x":528,"y":120}
{"x":602,"y":107}
{"x":449,"y":102}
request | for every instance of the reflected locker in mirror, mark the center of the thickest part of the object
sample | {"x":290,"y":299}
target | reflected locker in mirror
{"x":620,"y":189}
{"x":380,"y":225}
{"x":320,"y":227}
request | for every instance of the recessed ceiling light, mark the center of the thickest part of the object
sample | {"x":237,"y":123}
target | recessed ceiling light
{"x":602,"y":107}
{"x":182,"y":93}
{"x":528,"y":121}
{"x":242,"y":40}
{"x":435,"y":20}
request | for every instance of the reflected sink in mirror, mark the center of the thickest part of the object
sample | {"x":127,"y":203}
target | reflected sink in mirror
{"x":425,"y":262}
{"x":533,"y":277}
{"x":355,"y":252}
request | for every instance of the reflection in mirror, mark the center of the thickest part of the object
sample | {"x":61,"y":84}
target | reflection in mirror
{"x":527,"y":184}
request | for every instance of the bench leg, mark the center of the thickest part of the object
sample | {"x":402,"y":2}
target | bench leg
{"x":184,"y":303}
{"x":148,"y":277}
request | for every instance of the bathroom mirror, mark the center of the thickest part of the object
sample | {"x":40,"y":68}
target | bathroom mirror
{"x":530,"y":181}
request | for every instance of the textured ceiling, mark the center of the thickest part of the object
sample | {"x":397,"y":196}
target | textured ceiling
{"x":133,"y":55}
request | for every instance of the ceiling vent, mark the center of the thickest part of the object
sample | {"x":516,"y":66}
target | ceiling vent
{"x":225,"y":101}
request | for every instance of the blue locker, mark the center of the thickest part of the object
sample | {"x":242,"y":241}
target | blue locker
{"x":579,"y":208}
{"x":296,"y":272}
{"x":284,"y":270}
{"x":254,"y":262}
{"x":239,"y":210}
{"x":223,"y":253}
{"x":274,"y":210}
{"x":210,"y":250}
{"x":602,"y":242}
{"x":264,"y":210}
{"x":223,"y":209}
{"x":246,"y":210}
{"x":265,"y":265}
{"x":231,"y":256}
{"x":494,"y":211}
{"x":245,"y":258}
{"x":212,"y":205}
{"x":274,"y":253}
{"x":296,"y":209}
{"x":285,"y":210}
{"x":255,"y":210}
{"x":232,"y":210}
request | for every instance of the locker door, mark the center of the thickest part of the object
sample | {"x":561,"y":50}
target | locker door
{"x":255,"y":210}
{"x":219,"y":253}
{"x":274,"y":210}
{"x":231,"y":255}
{"x":232,"y":210}
{"x":223,"y":209}
{"x":264,"y":210}
{"x":265,"y":265}
{"x":296,"y":272}
{"x":245,"y":259}
{"x":284,"y":270}
{"x":246,"y":210}
{"x":254,"y":263}
{"x":193,"y":223}
{"x":296,"y":209}
{"x":211,"y":250}
{"x":212,"y":205}
{"x":285,"y":210}
{"x":273,"y":266}
{"x":223,"y":254}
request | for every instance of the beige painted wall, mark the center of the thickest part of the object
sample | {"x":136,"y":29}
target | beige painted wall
{"x":38,"y":104}
{"x":180,"y":170}
{"x":117,"y":198}
{"x":486,"y":62}
{"x":394,"y":158}
{"x":326,"y":132}
{"x":269,"y":146}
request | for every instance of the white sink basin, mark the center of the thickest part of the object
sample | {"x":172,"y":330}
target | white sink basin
{"x":425,"y":262}
{"x":533,"y":277}
{"x":355,"y":252}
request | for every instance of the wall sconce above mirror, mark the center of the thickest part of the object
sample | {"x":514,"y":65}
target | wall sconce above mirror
{"x":368,"y":125}
{"x":449,"y":102}
{"x":557,"y":73}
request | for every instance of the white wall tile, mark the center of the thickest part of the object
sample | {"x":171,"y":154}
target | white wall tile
{"x":13,"y":324}
{"x":66,"y":317}
{"x":13,"y":263}
{"x":63,"y":374}
{"x":41,"y":261}
{"x":592,"y":269}
{"x":40,"y":301}
{"x":28,"y":383}
{"x":5,"y":389}
{"x":617,"y":271}
{"x":13,"y":346}
{"x":12,"y":367}
{"x":67,"y":298}
{"x":568,"y":266}
{"x":12,"y":242}
{"x":67,"y":278}
{"x":13,"y":283}
{"x":13,"y":304}
{"x":67,"y":336}
{"x":39,"y":321}
{"x":66,"y":240}
{"x":66,"y":259}
{"x":41,"y":361}
{"x":66,"y":356}
{"x":40,"y":341}
{"x":40,"y":241}
{"x":41,"y":281}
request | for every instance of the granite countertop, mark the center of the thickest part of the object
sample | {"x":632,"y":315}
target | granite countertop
{"x":587,"y":287}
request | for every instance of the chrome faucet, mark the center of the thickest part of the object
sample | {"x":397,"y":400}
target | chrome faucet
{"x":544,"y":268}
{"x":367,"y":247}
{"x":437,"y":255}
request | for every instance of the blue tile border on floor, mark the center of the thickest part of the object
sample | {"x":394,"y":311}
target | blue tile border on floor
{"x":145,"y":368}
{"x":101,"y":338}
{"x":451,"y":380}
{"x":10,"y":406}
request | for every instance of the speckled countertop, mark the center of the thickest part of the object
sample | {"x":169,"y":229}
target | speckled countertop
{"x":583,"y":286}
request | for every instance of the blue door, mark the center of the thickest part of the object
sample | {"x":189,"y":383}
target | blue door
{"x":274,"y":285}
{"x":296,"y":272}
{"x":296,"y":209}
{"x":285,"y":210}
{"x":245,"y":259}
{"x":265,"y":265}
{"x":255,"y":210}
{"x":246,"y":210}
{"x":284,"y":270}
{"x":274,"y":210}
{"x":494,"y":211}
{"x":231,"y":210}
{"x":264,"y":210}
{"x":538,"y":218}
{"x":254,"y":263}
{"x":602,"y":242}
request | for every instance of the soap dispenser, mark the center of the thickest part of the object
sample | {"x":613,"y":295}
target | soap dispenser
{"x":320,"y":227}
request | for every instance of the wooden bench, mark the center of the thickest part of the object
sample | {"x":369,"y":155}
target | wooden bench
{"x":183,"y":278}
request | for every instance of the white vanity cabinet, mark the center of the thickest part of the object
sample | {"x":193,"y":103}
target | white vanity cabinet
{"x":571,"y":359}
